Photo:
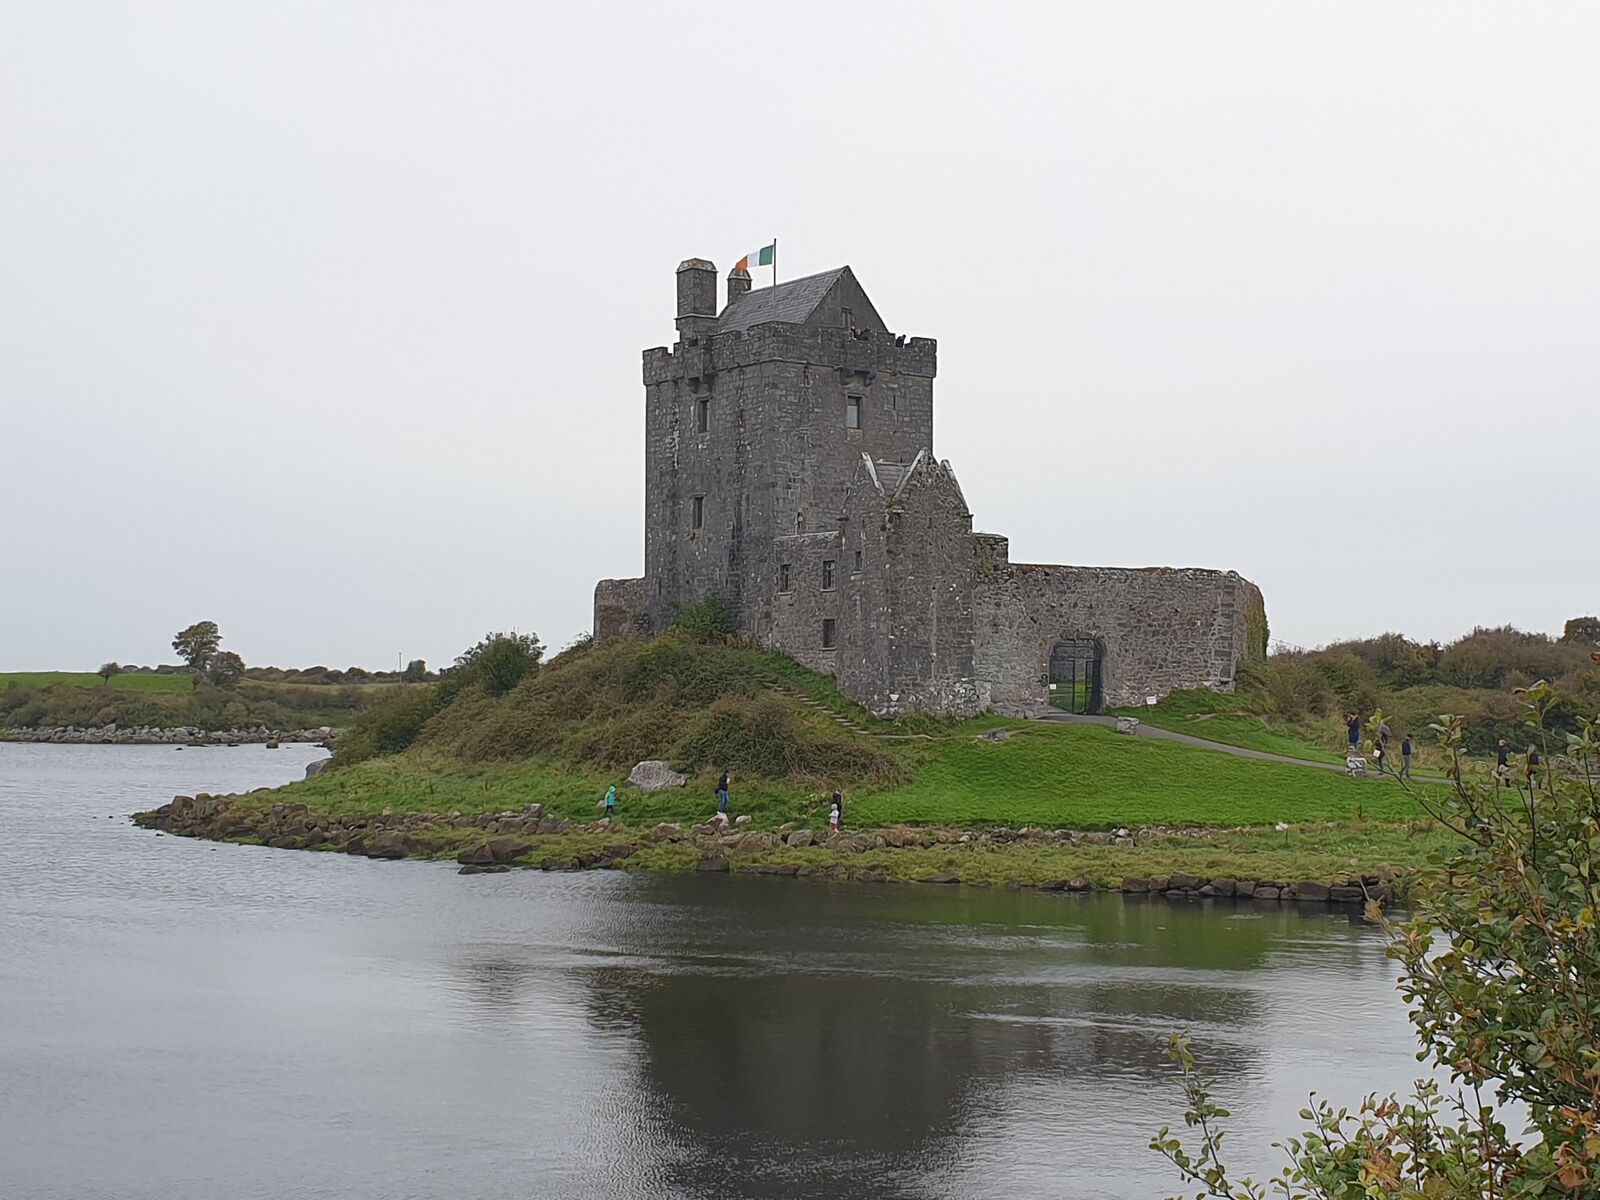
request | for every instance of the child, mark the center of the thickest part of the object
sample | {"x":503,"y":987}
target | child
{"x":611,"y":801}
{"x":833,"y":814}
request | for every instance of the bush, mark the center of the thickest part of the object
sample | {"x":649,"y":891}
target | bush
{"x":707,"y":621}
{"x":388,"y":727}
{"x":498,"y":663}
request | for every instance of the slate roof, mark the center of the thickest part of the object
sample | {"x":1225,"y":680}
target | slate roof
{"x":791,"y":302}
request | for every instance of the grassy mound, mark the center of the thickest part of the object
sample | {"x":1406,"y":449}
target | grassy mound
{"x":580,"y":722}
{"x":601,"y":709}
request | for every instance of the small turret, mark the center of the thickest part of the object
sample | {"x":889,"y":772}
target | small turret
{"x":697,"y":297}
{"x":738,"y":283}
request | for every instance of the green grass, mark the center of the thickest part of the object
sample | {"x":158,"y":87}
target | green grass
{"x":1225,"y":718}
{"x":1081,"y":777}
{"x":169,"y":684}
{"x":1087,"y":776}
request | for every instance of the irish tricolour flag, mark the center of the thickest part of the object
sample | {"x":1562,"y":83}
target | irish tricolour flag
{"x":763,"y":257}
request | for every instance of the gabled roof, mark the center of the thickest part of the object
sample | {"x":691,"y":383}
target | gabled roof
{"x":792,"y":302}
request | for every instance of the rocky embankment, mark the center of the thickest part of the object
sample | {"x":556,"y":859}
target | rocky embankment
{"x":183,"y":735}
{"x":494,"y":842}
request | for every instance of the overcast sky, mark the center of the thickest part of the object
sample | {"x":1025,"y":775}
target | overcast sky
{"x":323,"y":321}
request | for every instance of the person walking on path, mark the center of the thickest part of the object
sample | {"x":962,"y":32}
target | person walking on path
{"x":611,"y":800}
{"x":722,"y":792}
{"x":1378,"y":752}
{"x":1405,"y":757}
{"x":1353,"y":724}
{"x":1502,"y":763}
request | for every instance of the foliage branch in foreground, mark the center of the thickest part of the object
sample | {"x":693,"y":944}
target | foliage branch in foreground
{"x":1502,"y":968}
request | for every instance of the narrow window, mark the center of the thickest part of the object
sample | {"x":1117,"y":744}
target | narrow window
{"x":699,"y":511}
{"x":847,"y":322}
{"x":783,"y":577}
{"x":702,"y":416}
{"x":830,"y":633}
{"x":852,"y":412}
{"x":799,"y":522}
{"x":827,"y":574}
{"x":858,"y":562}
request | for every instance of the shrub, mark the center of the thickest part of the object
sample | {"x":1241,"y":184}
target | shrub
{"x":707,"y":621}
{"x":389,"y":726}
{"x":1500,"y":967}
{"x":498,"y":663}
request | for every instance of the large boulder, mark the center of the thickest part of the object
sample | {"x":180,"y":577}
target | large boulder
{"x":313,"y":769}
{"x":653,"y":775}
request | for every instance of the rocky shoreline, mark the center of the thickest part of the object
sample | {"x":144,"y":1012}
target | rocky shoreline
{"x":183,"y":735}
{"x":485,"y":843}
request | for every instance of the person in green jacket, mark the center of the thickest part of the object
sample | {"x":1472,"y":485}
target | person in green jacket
{"x":611,"y":801}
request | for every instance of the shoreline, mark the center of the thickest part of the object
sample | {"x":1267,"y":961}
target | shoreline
{"x":1196,"y":864}
{"x":179,"y":736}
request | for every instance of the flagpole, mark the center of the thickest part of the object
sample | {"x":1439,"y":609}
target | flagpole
{"x":774,"y":262}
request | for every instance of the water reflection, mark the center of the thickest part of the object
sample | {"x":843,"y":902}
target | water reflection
{"x":187,"y":1020}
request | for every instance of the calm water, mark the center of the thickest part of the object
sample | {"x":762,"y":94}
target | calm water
{"x":186,"y":1021}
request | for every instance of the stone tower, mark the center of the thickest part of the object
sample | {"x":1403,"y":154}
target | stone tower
{"x":754,"y":421}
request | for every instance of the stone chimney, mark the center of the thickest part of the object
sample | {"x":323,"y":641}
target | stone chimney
{"x":697,"y":297}
{"x":738,"y":283}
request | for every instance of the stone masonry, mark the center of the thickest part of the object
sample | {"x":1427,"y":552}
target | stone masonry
{"x":789,"y":470}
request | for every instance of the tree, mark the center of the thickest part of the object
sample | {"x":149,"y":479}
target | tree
{"x":1582,"y":631}
{"x":107,"y":670}
{"x":197,"y":644}
{"x":416,"y":672}
{"x":224,"y":669}
{"x":1501,"y":967}
{"x":500,"y":661}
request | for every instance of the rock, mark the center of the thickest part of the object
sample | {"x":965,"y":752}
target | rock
{"x":940,"y":877}
{"x":667,"y":831}
{"x":272,"y":745}
{"x":476,"y":855}
{"x":313,"y":769}
{"x":1266,"y":893}
{"x":616,"y":852}
{"x":1127,"y":724}
{"x":550,"y":825}
{"x":1224,"y":887}
{"x":1244,"y":887}
{"x":653,"y":775}
{"x":1184,"y":883}
{"x":531,"y":812}
{"x":1134,"y":885}
{"x":772,"y":869}
{"x":1347,"y":894}
{"x":996,"y":735}
{"x":900,"y":837}
{"x":743,"y":819}
{"x":484,"y":869}
{"x":801,"y":838}
{"x":1310,"y":890}
{"x":712,"y":860}
{"x":391,"y":845}
{"x":1077,"y":883}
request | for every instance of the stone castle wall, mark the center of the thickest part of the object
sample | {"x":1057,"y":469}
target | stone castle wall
{"x":1162,"y":628}
{"x":621,"y":608}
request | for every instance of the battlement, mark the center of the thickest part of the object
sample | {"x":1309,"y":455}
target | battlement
{"x":839,"y":349}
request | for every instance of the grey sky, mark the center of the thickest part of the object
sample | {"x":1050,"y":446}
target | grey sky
{"x":323,"y":321}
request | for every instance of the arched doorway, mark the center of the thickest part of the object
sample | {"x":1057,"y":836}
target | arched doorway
{"x":1074,"y":677}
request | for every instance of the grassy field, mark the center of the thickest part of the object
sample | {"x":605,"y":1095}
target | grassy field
{"x":1089,"y":777}
{"x":1223,"y":718}
{"x":1081,"y":777}
{"x":160,"y":684}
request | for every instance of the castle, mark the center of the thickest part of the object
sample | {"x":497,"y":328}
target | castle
{"x":789,"y":470}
